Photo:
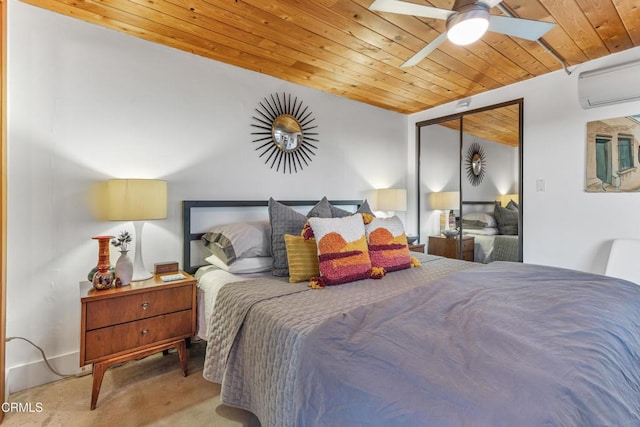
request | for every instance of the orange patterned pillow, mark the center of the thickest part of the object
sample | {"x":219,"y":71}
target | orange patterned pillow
{"x":388,"y":246}
{"x":343,"y":254}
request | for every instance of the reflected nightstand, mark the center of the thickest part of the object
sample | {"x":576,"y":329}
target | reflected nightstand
{"x":448,"y":248}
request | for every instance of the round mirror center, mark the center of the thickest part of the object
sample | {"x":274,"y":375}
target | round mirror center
{"x":286,"y":132}
{"x":476,"y":164}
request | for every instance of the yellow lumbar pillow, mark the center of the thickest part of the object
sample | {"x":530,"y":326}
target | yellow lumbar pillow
{"x":302,"y":256}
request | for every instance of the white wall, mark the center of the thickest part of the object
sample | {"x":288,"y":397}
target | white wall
{"x":564,"y":225}
{"x":87,"y":104}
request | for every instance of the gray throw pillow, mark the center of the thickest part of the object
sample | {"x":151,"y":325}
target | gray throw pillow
{"x":507,"y":220}
{"x":230,"y":242}
{"x":474,"y":224}
{"x":285,"y":220}
{"x":336,"y":212}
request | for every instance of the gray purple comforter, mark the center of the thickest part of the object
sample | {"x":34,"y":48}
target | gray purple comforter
{"x":503,"y":345}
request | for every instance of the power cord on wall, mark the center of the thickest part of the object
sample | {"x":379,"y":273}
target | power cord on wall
{"x":44,"y":357}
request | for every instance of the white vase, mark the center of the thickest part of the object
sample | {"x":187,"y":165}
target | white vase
{"x":124,"y":269}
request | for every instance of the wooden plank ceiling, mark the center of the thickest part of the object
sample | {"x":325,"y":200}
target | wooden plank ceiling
{"x":341,"y":47}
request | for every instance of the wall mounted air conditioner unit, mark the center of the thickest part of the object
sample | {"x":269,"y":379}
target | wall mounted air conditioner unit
{"x":610,"y":85}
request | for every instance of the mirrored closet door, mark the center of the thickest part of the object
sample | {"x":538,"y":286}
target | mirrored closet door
{"x":470,"y":184}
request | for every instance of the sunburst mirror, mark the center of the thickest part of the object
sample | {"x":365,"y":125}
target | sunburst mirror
{"x":476,"y":164}
{"x":284,"y":133}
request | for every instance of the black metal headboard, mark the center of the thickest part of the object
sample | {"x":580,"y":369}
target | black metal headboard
{"x":481,"y":202}
{"x":189,"y":205}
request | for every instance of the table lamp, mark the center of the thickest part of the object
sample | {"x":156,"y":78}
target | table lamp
{"x":504,"y":199}
{"x":391,"y":200}
{"x":136,"y":200}
{"x":446,"y":201}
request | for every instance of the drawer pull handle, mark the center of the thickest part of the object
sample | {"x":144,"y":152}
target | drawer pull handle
{"x":144,"y":332}
{"x":144,"y":305}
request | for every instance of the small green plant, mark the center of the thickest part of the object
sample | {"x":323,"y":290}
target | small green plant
{"x":122,"y":241}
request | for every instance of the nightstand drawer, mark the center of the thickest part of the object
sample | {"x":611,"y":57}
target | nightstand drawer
{"x":417,"y":247}
{"x":127,"y":336}
{"x":113,"y":311}
{"x":445,"y":247}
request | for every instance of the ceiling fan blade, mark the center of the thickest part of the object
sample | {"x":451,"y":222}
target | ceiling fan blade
{"x":425,"y":51}
{"x":491,"y":3}
{"x":405,"y":8}
{"x":518,"y":27}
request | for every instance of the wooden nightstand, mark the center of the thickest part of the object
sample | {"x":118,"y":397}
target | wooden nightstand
{"x":134,"y":321}
{"x":417,"y":247}
{"x":445,"y":247}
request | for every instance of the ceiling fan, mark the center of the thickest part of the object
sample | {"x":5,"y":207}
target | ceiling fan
{"x":466,"y":23}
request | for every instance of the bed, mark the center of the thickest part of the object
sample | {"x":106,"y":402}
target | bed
{"x":447,"y":343}
{"x":495,"y":230}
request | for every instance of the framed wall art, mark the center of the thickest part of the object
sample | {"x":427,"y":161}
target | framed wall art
{"x":613,"y":155}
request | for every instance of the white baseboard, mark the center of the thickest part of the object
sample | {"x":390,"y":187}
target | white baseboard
{"x":37,"y":373}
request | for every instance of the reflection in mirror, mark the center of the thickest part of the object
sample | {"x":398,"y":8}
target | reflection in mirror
{"x":487,"y":153}
{"x":494,"y":134}
{"x":439,"y":178}
{"x":286,"y":132}
{"x":476,"y":164}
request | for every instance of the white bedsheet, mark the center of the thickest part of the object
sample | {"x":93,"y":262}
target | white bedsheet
{"x":210,"y":280}
{"x":483,"y":248}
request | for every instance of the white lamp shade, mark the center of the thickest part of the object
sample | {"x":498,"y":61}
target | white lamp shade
{"x":136,"y":199}
{"x":445,"y":200}
{"x":391,"y":199}
{"x":504,"y":199}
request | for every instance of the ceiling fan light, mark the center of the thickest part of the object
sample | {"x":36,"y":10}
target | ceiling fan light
{"x":468,"y":25}
{"x":467,"y":32}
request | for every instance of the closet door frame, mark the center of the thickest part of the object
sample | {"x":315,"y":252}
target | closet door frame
{"x":3,"y":196}
{"x":460,"y":116}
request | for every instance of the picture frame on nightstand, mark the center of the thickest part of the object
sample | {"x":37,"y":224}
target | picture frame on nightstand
{"x":165,"y":267}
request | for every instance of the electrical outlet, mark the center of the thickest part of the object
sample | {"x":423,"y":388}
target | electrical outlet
{"x":84,"y":370}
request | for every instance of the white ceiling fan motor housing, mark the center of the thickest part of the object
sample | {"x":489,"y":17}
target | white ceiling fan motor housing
{"x":468,"y":24}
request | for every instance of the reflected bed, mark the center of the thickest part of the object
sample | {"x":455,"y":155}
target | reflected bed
{"x":495,"y":230}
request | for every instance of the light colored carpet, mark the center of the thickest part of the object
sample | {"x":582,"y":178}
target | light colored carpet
{"x":146,"y":392}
